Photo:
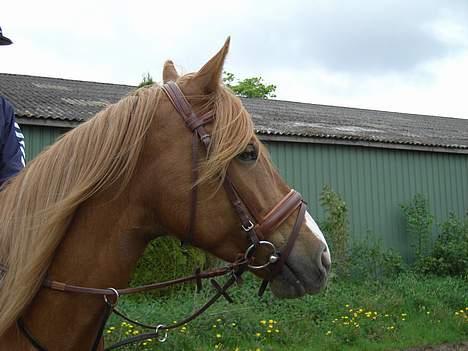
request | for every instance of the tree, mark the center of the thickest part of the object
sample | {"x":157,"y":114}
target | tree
{"x":249,"y":87}
{"x":147,"y":80}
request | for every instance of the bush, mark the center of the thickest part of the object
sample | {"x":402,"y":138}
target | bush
{"x":450,"y":252}
{"x":368,"y":260}
{"x":164,"y":259}
{"x":419,"y":222}
{"x":336,"y":228}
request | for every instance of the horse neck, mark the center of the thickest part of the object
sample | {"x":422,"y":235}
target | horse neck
{"x":101,"y":248}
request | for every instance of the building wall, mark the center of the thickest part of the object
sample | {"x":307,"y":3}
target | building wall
{"x":374,"y":182}
{"x":38,"y":137}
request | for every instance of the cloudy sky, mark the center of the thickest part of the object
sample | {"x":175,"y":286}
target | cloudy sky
{"x":406,"y":56}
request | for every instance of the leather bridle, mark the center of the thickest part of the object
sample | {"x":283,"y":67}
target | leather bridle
{"x":256,"y":227}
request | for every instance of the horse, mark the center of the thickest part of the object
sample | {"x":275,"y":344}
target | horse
{"x":83,"y":211}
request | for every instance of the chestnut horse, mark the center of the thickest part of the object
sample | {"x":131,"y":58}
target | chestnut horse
{"x":84,"y":210}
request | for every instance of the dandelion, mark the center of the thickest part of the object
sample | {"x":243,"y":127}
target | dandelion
{"x":328,"y":333}
{"x":257,"y":335}
{"x":218,"y":335}
{"x":346,"y":305}
{"x":258,"y":349}
{"x":263,"y":322}
{"x":218,"y":320}
{"x":136,"y":332}
{"x":276,"y":330}
{"x":112,"y":328}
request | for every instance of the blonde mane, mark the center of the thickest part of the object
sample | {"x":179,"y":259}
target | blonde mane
{"x":39,"y":203}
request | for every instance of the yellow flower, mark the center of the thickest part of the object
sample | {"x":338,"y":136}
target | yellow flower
{"x":218,"y":320}
{"x":328,"y":332}
{"x":277,"y":330}
{"x":269,"y":331}
{"x":136,"y":332}
{"x":257,"y":334}
{"x":346,"y":305}
{"x":258,"y":349}
{"x":263,"y":322}
{"x":218,"y":335}
{"x":271,"y":321}
{"x":112,"y":328}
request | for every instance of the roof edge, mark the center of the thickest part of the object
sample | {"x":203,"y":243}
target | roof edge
{"x":363,"y":143}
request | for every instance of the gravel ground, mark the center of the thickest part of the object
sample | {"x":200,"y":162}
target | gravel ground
{"x":463,"y":346}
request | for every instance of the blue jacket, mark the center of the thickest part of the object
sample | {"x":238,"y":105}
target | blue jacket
{"x":12,"y":155}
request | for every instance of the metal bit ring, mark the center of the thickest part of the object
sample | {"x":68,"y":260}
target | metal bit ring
{"x":272,"y":259}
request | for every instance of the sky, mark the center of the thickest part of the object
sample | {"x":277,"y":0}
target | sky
{"x":404,"y":56}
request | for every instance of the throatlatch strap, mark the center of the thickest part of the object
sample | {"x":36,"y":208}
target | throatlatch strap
{"x":25,"y":331}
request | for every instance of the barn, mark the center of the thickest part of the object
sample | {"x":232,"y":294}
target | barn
{"x":375,"y":160}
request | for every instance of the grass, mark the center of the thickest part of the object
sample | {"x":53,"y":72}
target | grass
{"x":403,"y":312}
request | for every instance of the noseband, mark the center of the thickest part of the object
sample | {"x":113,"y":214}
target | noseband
{"x":256,"y":227}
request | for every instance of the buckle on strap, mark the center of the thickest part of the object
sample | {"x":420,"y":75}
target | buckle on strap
{"x":248,"y":227}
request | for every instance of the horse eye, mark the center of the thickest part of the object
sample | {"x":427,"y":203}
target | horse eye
{"x":249,"y":154}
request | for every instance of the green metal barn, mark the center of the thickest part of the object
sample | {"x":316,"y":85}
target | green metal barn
{"x":375,"y":160}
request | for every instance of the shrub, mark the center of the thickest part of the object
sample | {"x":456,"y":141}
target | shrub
{"x":336,"y":227}
{"x":368,"y":260}
{"x":450,"y":253}
{"x":164,"y":259}
{"x":419,"y":224}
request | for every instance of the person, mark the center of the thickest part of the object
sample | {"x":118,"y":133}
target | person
{"x":12,"y":147}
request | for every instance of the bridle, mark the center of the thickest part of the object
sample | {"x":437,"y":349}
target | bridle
{"x":256,"y":227}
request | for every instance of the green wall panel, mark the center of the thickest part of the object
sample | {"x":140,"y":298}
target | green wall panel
{"x":374,"y":183}
{"x":38,"y":137}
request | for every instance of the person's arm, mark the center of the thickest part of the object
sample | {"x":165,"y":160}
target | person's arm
{"x":12,"y":154}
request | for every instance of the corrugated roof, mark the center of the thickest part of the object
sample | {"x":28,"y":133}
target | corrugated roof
{"x":75,"y":101}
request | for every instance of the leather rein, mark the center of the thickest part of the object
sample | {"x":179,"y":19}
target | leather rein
{"x":255,"y":227}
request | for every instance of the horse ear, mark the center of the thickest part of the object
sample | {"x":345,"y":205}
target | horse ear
{"x":169,"y":72}
{"x":209,"y":76}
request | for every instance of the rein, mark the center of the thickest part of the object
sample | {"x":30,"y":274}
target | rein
{"x":256,"y":228}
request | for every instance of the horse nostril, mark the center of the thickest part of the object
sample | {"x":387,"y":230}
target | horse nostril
{"x":326,"y":261}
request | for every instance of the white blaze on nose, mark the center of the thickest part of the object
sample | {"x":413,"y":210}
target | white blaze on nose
{"x":310,"y":223}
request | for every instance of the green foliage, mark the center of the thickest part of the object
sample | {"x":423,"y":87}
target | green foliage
{"x":336,"y":228}
{"x":249,"y":87}
{"x":419,"y":222}
{"x":450,"y":252}
{"x":369,"y":261}
{"x":164,"y":259}
{"x":394,"y":314}
{"x":147,"y":80}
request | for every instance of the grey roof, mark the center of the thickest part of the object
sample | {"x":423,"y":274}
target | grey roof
{"x":53,"y":99}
